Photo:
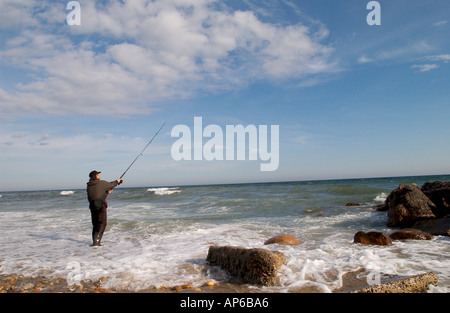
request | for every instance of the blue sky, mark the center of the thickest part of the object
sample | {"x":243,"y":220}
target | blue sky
{"x":351,"y":100}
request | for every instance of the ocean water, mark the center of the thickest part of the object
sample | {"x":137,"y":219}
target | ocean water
{"x":159,"y":237}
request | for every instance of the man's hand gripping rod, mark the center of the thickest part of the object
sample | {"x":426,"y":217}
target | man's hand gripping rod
{"x":141,"y":152}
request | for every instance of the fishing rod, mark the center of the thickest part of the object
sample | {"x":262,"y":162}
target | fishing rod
{"x":141,"y":152}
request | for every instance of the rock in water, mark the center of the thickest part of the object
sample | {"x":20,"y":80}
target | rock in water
{"x":437,"y":227}
{"x":414,"y":284}
{"x":254,"y":266}
{"x":439,"y":193}
{"x":372,"y":238}
{"x":414,"y":234}
{"x":282,"y":239}
{"x":408,"y":204}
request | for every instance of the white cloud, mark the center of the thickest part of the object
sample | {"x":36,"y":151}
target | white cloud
{"x":363,"y":59}
{"x":432,"y":58}
{"x":440,"y":57}
{"x":13,"y":13}
{"x":128,"y":54}
{"x":419,"y":47}
{"x":425,"y":67}
{"x":440,"y":23}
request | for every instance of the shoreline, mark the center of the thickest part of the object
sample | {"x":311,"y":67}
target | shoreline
{"x":18,"y":283}
{"x":353,"y":282}
{"x":44,"y":281}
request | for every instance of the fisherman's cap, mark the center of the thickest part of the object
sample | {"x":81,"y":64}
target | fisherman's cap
{"x":93,"y":174}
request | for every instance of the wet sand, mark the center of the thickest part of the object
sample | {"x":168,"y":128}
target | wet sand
{"x":14,"y":283}
{"x":355,"y":281}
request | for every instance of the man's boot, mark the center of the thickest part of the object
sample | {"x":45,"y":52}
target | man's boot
{"x":96,"y":238}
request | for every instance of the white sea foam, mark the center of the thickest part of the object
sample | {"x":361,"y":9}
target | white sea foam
{"x":381,"y":197}
{"x":67,"y":192}
{"x":164,"y":241}
{"x":164,"y":191}
{"x":158,"y":254}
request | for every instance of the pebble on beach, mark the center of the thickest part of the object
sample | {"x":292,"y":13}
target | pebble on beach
{"x":14,"y":283}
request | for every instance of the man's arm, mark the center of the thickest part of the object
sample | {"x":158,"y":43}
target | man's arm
{"x":111,"y":185}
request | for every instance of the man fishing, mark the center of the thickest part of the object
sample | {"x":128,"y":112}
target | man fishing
{"x":97,"y":191}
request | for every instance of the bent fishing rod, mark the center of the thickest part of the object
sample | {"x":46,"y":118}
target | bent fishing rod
{"x":141,"y":152}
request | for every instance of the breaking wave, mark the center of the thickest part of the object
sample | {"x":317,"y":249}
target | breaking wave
{"x":380,"y":197}
{"x":164,"y":191}
{"x":67,"y":192}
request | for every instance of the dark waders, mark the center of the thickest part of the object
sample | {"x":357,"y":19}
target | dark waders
{"x":99,"y":219}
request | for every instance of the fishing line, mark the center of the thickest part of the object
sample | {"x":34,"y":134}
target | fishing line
{"x":142,"y":151}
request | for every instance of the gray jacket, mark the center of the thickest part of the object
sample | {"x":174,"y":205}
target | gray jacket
{"x":98,"y":189}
